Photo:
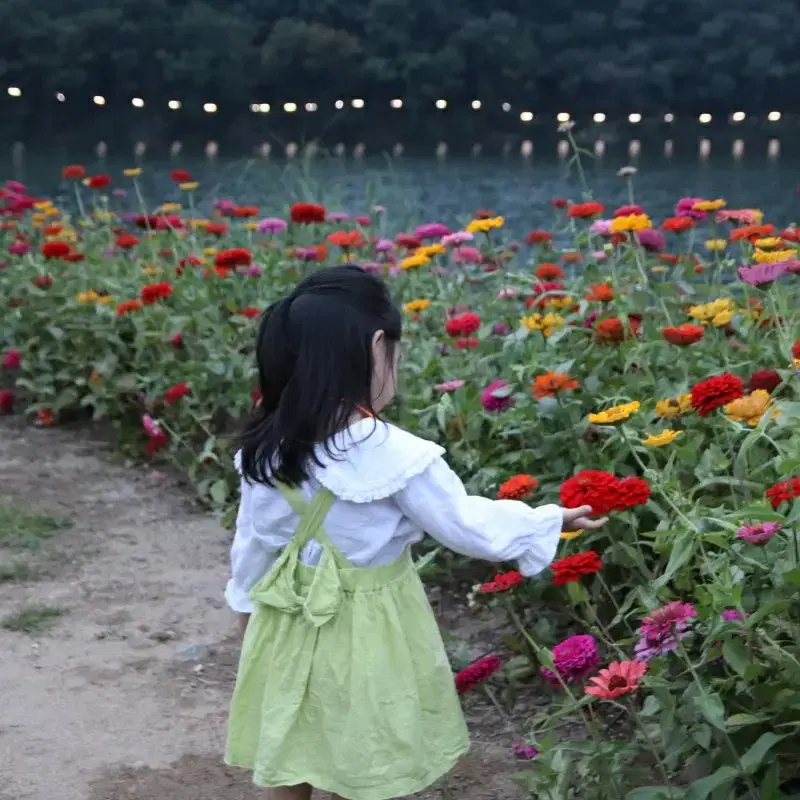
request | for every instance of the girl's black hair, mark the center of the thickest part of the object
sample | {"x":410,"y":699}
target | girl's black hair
{"x":315,"y":365}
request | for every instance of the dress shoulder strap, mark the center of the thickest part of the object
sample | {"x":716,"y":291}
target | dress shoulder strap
{"x":312,"y":518}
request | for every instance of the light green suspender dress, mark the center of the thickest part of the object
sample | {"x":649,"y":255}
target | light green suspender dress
{"x":343,"y":682}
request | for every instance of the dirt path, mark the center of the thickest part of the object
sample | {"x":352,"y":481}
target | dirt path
{"x":124,"y":695}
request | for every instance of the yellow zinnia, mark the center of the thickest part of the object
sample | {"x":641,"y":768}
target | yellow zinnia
{"x":133,"y":172}
{"x":707,"y":312}
{"x":431,"y":250}
{"x":485,"y":225}
{"x":659,"y":269}
{"x":716,"y":244}
{"x":251,"y":226}
{"x":674,"y":406}
{"x":661,"y":439}
{"x":169,"y":208}
{"x":615,"y":414}
{"x":52,"y":211}
{"x":709,"y":205}
{"x":209,"y":251}
{"x":773,"y":256}
{"x":722,"y":319}
{"x":546,"y":323}
{"x":416,"y":305}
{"x":632,"y":222}
{"x":189,"y":186}
{"x":560,"y":302}
{"x":770,"y":241}
{"x":201,"y":224}
{"x":415,"y":261}
{"x":151,"y":270}
{"x":41,"y":205}
{"x":103,"y":216}
{"x":571,"y":534}
{"x":86,"y":297}
{"x":750,"y":408}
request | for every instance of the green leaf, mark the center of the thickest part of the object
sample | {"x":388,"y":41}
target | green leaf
{"x":736,"y":656}
{"x":742,"y":720}
{"x":755,"y":756}
{"x":711,"y":707}
{"x":682,"y":550}
{"x":219,"y":491}
{"x":701,"y":789}
{"x":652,"y":793}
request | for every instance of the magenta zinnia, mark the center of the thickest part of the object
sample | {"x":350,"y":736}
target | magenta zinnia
{"x":573,"y":659}
{"x":759,"y":534}
{"x":659,"y":633}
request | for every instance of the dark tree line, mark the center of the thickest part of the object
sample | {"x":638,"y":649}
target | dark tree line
{"x":576,"y":54}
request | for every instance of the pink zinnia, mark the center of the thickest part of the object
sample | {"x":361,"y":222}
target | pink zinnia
{"x":449,"y":386}
{"x":272,"y":225}
{"x":761,"y":274}
{"x":225,"y":207}
{"x":496,"y":397}
{"x":457,"y":238}
{"x":601,"y":227}
{"x":363,"y":220}
{"x":338,"y":216}
{"x":685,"y":208}
{"x":507,"y":294}
{"x":19,"y":248}
{"x":651,"y":240}
{"x":501,"y":329}
{"x":384,"y":245}
{"x":573,"y":658}
{"x":759,"y":534}
{"x":151,"y":427}
{"x":467,"y":255}
{"x":432,"y":230}
{"x":659,"y":633}
{"x":373,"y":267}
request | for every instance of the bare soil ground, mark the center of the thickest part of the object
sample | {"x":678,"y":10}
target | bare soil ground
{"x":117,"y":661}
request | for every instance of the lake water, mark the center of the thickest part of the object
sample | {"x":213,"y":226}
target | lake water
{"x":449,"y":189}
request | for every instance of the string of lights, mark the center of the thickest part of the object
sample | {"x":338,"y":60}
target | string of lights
{"x":562,"y":118}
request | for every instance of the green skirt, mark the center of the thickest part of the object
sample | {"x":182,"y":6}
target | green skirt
{"x":343,"y":682}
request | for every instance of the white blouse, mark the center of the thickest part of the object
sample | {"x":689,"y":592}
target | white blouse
{"x":391,"y":488}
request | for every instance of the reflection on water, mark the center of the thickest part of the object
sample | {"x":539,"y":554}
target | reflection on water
{"x":517,"y":180}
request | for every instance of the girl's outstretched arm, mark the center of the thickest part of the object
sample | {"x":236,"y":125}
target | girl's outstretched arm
{"x":494,"y":530}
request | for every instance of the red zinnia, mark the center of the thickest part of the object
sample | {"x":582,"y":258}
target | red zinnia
{"x":573,"y":568}
{"x":347,"y":239}
{"x":715,"y":392}
{"x":559,"y":202}
{"x":176,"y":341}
{"x":538,"y":237}
{"x":548,"y":272}
{"x":517,"y":487}
{"x":677,"y":224}
{"x":796,"y":349}
{"x":242,"y":212}
{"x":628,"y":211}
{"x":783,"y":492}
{"x":126,"y":241}
{"x":176,"y":392}
{"x":407,"y":241}
{"x":603,"y":491}
{"x":235,"y":257}
{"x":502,"y":582}
{"x":73,"y":172}
{"x":632,"y":492}
{"x":98,"y":181}
{"x":74,"y":257}
{"x":307,"y":213}
{"x":463,"y":324}
{"x":155,"y":291}
{"x":53,"y":229}
{"x":181,"y":175}
{"x":250,"y":312}
{"x":683,"y":335}
{"x":764,"y":379}
{"x":466,"y":343}
{"x":12,"y":359}
{"x":469,"y":677}
{"x":6,"y":401}
{"x":599,"y":293}
{"x":55,"y":250}
{"x":586,"y":210}
{"x":216,"y":229}
{"x":127,"y":306}
{"x":612,"y":331}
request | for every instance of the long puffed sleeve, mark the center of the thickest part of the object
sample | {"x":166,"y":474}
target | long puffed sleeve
{"x":494,"y":530}
{"x":259,"y":537}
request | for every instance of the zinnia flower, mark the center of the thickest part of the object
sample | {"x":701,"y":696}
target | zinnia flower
{"x":603,"y":491}
{"x":414,"y":262}
{"x":759,"y":534}
{"x":551,"y":383}
{"x":501,"y":583}
{"x":53,"y":250}
{"x":678,"y":224}
{"x":127,"y":306}
{"x":687,"y":207}
{"x":126,"y":241}
{"x":6,"y":401}
{"x":766,"y":379}
{"x":683,"y":335}
{"x":538,"y":237}
{"x":415,"y":306}
{"x":307,"y":213}
{"x":715,"y":392}
{"x":431,"y":230}
{"x":763,"y":274}
{"x":449,"y":386}
{"x":659,"y":633}
{"x":572,"y":568}
{"x":463,"y":324}
{"x":549,"y":272}
{"x":155,"y":291}
{"x":661,"y":439}
{"x":518,"y":487}
{"x":466,"y":343}
{"x":235,"y":257}
{"x":715,"y":245}
{"x":476,"y":673}
{"x":620,"y":678}
{"x":524,"y":752}
{"x":497,"y":397}
{"x":98,"y":181}
{"x":12,"y":359}
{"x":73,"y":172}
{"x":750,"y":408}
{"x":573,"y":659}
{"x":613,"y":331}
{"x":634,"y":222}
{"x":599,"y":293}
{"x":783,"y":492}
{"x":614,"y":414}
{"x":272,"y":225}
{"x":485,"y":225}
{"x":586,"y":210}
{"x":456,"y":239}
{"x":546,"y":323}
{"x":674,"y":406}
{"x":176,"y":392}
{"x":347,"y":239}
{"x":181,"y":175}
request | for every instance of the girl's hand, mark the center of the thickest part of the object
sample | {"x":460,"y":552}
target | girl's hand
{"x":241,"y":624}
{"x":576,"y":519}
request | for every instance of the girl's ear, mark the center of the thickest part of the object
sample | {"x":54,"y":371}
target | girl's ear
{"x":377,"y":342}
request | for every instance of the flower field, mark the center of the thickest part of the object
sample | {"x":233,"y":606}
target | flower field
{"x":647,"y":367}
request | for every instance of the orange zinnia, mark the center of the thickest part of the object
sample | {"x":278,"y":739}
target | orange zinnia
{"x":752,"y":232}
{"x":586,"y":210}
{"x":621,"y":677}
{"x":612,"y":331}
{"x":600,"y":293}
{"x":128,"y":306}
{"x":551,"y":383}
{"x":548,"y":272}
{"x":517,"y":487}
{"x":677,"y":224}
{"x":346,"y":239}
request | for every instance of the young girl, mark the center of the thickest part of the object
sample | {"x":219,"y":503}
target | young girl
{"x":343,"y":683}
